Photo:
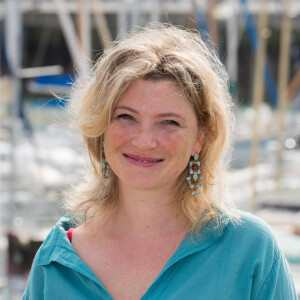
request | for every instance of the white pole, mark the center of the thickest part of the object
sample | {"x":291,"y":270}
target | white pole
{"x":283,"y":77}
{"x":13,"y":45}
{"x":232,"y":43}
{"x":13,"y":49}
{"x":85,"y":27}
{"x":101,"y":25}
{"x":70,"y":35}
{"x":258,"y":93}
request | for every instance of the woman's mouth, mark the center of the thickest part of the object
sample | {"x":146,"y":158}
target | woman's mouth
{"x":142,"y":161}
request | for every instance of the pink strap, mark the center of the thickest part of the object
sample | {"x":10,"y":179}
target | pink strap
{"x":69,"y":234}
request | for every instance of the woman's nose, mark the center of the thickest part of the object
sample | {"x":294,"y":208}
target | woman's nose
{"x":145,"y":139}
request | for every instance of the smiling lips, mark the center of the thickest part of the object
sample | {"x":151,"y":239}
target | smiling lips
{"x":142,"y":161}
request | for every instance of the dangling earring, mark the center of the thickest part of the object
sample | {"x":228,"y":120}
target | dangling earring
{"x":194,"y":179}
{"x":105,"y":167}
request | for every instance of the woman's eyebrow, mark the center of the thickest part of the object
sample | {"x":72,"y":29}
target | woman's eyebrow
{"x":164,"y":115}
{"x":127,"y":108}
{"x":171,"y":115}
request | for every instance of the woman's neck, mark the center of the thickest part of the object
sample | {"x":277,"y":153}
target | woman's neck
{"x":141,"y":213}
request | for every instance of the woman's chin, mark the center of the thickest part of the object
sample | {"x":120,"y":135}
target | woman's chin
{"x":142,"y":184}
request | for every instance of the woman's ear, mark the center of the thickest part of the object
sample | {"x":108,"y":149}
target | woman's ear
{"x":200,"y":140}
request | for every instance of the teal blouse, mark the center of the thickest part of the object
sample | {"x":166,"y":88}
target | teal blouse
{"x":239,"y":262}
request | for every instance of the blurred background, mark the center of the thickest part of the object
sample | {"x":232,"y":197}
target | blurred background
{"x":45,"y":44}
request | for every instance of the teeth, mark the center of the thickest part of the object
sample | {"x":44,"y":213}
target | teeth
{"x":144,"y":161}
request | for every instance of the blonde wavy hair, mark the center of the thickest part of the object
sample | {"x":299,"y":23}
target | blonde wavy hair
{"x":158,"y":52}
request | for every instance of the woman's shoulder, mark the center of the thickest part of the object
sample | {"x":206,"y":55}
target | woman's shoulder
{"x":54,"y":266}
{"x":252,"y":225}
{"x":55,"y":241}
{"x":251,"y":229}
{"x":252,"y":232}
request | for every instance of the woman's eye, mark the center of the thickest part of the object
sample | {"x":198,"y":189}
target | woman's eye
{"x":170,"y":122}
{"x":125,"y":116}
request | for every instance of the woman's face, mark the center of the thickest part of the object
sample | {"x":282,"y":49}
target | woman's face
{"x":152,"y":135}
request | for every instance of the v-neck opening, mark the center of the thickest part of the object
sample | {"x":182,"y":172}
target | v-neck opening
{"x":181,"y":252}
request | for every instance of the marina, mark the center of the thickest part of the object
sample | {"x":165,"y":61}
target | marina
{"x":41,"y":154}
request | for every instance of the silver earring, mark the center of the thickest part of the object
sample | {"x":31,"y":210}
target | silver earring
{"x":194,"y":179}
{"x":105,"y":167}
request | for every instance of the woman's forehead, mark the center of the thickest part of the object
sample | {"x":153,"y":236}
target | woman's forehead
{"x":155,"y":96}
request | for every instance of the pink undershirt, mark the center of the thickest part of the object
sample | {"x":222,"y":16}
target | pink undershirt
{"x":69,"y":234}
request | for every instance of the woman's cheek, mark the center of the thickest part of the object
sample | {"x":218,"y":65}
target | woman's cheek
{"x":120,"y":133}
{"x":170,"y":142}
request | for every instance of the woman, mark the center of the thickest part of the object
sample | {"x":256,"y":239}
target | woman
{"x":154,"y":221}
